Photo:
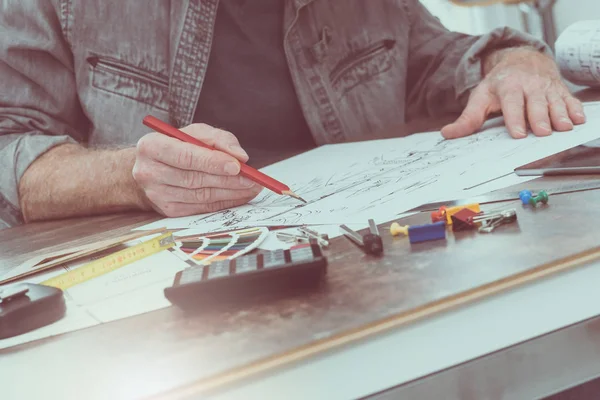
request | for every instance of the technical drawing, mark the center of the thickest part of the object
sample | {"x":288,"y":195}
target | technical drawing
{"x":384,"y":178}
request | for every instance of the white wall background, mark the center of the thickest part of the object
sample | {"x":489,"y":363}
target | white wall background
{"x":567,"y":12}
{"x":479,"y":19}
{"x":472,"y":20}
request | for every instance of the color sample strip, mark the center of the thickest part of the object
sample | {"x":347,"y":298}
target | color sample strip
{"x":222,"y":246}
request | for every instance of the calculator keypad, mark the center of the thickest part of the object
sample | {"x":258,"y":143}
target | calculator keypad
{"x":246,"y":264}
{"x":273,"y":259}
{"x":192,"y":274}
{"x":218,"y":269}
{"x":301,"y":254}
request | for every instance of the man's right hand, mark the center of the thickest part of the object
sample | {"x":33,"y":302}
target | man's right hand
{"x":182,"y":179}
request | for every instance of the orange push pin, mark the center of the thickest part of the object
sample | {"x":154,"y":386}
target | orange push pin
{"x":439,"y":215}
{"x":397,"y":229}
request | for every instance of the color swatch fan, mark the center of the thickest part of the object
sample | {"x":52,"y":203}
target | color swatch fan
{"x":204,"y":249}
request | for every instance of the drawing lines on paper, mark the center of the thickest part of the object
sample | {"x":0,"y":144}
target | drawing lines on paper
{"x":362,"y":180}
{"x":359,"y":186}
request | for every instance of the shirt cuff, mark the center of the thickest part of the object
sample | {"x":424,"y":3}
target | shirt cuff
{"x":470,"y":69}
{"x":17,"y":153}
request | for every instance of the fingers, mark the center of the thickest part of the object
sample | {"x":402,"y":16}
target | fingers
{"x":173,"y":210}
{"x":545,"y":110}
{"x":179,"y":178}
{"x":152,"y":172}
{"x":186,"y":156}
{"x":556,"y":109}
{"x":538,"y":113}
{"x":530,"y":91}
{"x":575,"y":109}
{"x":558,"y":112}
{"x":473,"y":116}
{"x":174,"y":194}
{"x":220,"y":139}
{"x":513,"y":109}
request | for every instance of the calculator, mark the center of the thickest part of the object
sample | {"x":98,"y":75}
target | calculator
{"x":279,"y":272}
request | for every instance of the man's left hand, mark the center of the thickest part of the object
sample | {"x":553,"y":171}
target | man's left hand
{"x":526,"y":86}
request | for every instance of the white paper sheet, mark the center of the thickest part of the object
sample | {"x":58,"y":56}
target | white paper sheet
{"x":351,"y":182}
{"x":578,"y":53}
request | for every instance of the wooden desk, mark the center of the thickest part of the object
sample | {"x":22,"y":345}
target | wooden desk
{"x":164,"y":351}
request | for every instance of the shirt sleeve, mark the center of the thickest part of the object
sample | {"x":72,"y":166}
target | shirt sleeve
{"x":39,"y":106}
{"x":444,"y":66}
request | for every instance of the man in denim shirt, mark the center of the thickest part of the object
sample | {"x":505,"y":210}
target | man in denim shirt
{"x":77,"y":78}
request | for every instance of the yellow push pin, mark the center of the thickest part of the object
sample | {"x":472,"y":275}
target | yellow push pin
{"x":397,"y":229}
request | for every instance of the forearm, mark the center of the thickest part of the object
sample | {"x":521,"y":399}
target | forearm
{"x":70,"y":180}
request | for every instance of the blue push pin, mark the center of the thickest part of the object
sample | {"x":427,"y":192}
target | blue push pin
{"x":525,"y":195}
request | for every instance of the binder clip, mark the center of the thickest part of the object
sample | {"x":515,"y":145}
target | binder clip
{"x":445,"y":213}
{"x":371,"y":243}
{"x":463,"y":220}
{"x":490,"y":222}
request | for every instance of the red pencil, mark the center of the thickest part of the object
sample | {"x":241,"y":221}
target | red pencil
{"x":245,"y":170}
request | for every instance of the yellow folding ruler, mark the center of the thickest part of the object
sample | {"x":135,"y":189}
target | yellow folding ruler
{"x":111,"y":262}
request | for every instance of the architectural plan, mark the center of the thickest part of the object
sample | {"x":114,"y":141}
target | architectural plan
{"x":578,"y":53}
{"x":380,"y":179}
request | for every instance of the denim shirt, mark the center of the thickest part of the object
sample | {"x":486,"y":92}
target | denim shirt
{"x":89,"y":71}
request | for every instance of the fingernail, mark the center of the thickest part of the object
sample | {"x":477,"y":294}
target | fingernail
{"x":580,"y":115}
{"x":544,"y":126}
{"x":234,"y":148}
{"x":519,"y":131}
{"x":232,"y":168}
{"x":566,"y":120}
{"x":246,"y":182}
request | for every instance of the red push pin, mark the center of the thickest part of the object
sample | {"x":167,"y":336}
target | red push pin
{"x":439,"y":215}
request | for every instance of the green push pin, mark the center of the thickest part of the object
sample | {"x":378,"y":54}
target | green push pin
{"x":542,"y":197}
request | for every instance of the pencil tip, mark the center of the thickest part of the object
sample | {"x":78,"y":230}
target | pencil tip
{"x":294,"y":195}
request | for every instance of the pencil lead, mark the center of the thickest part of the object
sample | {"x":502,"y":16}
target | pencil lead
{"x":294,"y":195}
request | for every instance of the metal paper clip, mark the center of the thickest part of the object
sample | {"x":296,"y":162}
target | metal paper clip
{"x":321,"y":239}
{"x":303,"y":237}
{"x":291,"y":238}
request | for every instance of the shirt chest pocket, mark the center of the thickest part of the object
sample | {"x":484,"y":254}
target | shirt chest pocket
{"x":361,"y":64}
{"x":355,"y":43}
{"x":119,"y":78}
{"x":349,"y":57}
